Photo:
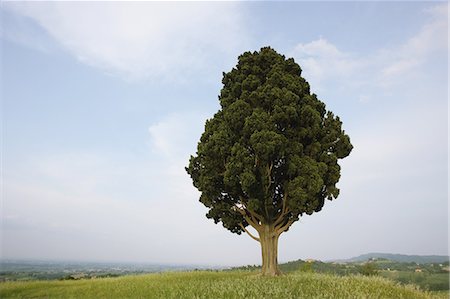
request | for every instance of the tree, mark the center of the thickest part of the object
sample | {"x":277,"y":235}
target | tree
{"x":369,"y":269}
{"x":270,"y":154}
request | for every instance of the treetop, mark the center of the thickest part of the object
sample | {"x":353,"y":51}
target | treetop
{"x":270,"y":154}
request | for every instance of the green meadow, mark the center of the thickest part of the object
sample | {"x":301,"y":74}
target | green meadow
{"x":221,"y":284}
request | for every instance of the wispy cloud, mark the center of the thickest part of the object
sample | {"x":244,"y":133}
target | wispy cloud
{"x":177,"y":134}
{"x":418,"y":49}
{"x":172,"y":140}
{"x":142,"y":40}
{"x":322,"y":60}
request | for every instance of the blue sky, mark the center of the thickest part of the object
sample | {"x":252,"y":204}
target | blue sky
{"x":103,"y":102}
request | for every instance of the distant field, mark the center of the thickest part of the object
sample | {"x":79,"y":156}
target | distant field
{"x":426,"y":281}
{"x":208,"y":284}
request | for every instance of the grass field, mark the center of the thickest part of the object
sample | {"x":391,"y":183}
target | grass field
{"x":426,"y":281}
{"x":205,"y":284}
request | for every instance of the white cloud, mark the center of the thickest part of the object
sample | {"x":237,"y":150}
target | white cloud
{"x":319,"y":48}
{"x":174,"y":138}
{"x":142,"y":40}
{"x":400,"y":67}
{"x":177,"y":133}
{"x":322,"y":60}
{"x":432,"y":37}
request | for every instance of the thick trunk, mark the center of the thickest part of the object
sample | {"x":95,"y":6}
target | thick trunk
{"x":269,"y":247}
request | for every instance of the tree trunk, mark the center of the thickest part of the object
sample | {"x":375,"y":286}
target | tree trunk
{"x":269,"y":247}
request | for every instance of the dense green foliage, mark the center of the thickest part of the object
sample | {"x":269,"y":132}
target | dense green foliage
{"x":271,"y":152}
{"x":214,"y":285}
{"x":369,"y":269}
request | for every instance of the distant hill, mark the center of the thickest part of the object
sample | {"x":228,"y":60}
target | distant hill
{"x":402,"y":258}
{"x":28,"y":269}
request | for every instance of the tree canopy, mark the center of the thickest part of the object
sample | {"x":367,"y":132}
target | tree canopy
{"x":270,"y":154}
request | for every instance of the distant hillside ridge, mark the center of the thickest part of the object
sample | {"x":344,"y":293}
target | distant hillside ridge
{"x":402,"y":258}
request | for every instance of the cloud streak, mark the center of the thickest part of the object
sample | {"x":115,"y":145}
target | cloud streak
{"x":323,"y":61}
{"x":142,"y":40}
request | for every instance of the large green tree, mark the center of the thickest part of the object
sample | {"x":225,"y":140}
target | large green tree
{"x":270,"y":154}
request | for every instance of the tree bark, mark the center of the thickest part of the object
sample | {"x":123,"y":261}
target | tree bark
{"x":269,"y":247}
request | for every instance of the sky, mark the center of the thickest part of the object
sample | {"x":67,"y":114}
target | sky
{"x":104,"y":102}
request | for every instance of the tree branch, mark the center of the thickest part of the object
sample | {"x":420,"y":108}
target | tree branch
{"x":284,"y":211}
{"x":250,"y":219}
{"x":239,"y":210}
{"x":269,"y":176}
{"x":251,"y":222}
{"x":284,"y":207}
{"x":283,"y":228}
{"x":269,"y":183}
{"x":255,"y":217}
{"x":249,"y":233}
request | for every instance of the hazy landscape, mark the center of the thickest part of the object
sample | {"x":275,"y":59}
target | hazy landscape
{"x":241,"y":149}
{"x":365,"y":275}
{"x":44,"y":270}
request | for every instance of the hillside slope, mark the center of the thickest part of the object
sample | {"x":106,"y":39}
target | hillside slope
{"x":204,"y":284}
{"x":402,"y":258}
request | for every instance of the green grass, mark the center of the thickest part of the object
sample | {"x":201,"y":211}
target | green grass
{"x":441,"y":294}
{"x":215,"y":285}
{"x":426,"y":281}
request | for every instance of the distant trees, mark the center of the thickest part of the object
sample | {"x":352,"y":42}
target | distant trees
{"x":270,"y":154}
{"x":368,"y":269}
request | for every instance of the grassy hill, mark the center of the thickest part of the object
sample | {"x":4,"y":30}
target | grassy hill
{"x":430,"y":277}
{"x":402,"y":258}
{"x":208,"y":284}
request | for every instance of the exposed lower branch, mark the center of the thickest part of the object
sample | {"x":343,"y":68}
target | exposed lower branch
{"x":239,"y":210}
{"x":269,"y":183}
{"x":283,"y":228}
{"x":284,"y":211}
{"x":284,"y":207}
{"x":255,"y":217}
{"x":251,"y":222}
{"x":243,"y":212}
{"x":269,"y":176}
{"x":249,"y":233}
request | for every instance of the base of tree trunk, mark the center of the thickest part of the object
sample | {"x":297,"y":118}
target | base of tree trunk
{"x":269,"y":249}
{"x":276,"y":272}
